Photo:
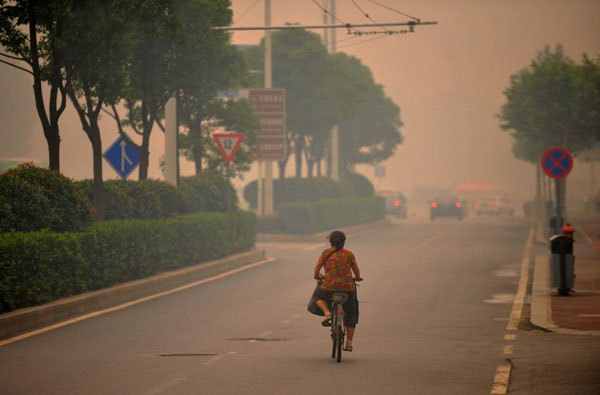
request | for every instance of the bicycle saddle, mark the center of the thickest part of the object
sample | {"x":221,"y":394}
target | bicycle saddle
{"x":340,"y":297}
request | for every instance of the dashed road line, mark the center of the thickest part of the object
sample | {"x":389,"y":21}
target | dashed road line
{"x":510,"y":336}
{"x":501,"y":378}
{"x":508,"y":349}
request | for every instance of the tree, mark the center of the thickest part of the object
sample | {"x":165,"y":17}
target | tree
{"x":98,"y":44}
{"x":233,"y":116}
{"x":298,"y":61}
{"x":175,"y":57}
{"x":551,"y":103}
{"x":212,"y":67}
{"x":32,"y":34}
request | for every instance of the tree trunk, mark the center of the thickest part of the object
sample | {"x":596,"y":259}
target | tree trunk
{"x":53,"y":140}
{"x":144,"y":156}
{"x":282,"y":165}
{"x":298,"y":156}
{"x":98,"y":181}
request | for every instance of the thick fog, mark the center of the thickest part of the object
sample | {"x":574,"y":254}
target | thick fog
{"x":448,"y":80}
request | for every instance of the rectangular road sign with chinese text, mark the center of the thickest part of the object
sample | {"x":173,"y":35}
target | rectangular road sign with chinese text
{"x":269,"y":107}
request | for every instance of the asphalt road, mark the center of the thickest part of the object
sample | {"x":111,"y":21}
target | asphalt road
{"x":434,"y":310}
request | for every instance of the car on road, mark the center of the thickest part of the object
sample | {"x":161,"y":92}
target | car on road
{"x":395,"y":202}
{"x":494,"y":207}
{"x":446,"y":206}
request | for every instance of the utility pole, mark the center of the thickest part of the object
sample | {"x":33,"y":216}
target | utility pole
{"x":335,"y":161}
{"x":268,"y":84}
{"x":171,"y":173}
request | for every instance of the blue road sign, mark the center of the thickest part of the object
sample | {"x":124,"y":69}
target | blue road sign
{"x":557,"y":162}
{"x":122,"y":157}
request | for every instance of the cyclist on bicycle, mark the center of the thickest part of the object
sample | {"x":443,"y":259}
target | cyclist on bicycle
{"x":339,"y":264}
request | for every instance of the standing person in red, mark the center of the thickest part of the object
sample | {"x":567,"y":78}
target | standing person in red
{"x":339,"y":265}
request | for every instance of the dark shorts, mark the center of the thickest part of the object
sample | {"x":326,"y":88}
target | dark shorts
{"x":350,"y":306}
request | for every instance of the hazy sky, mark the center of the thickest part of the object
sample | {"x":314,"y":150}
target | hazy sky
{"x":447,"y":80}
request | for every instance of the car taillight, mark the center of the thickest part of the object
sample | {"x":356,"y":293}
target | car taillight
{"x":396,"y":203}
{"x":458,"y":204}
{"x":340,"y":310}
{"x":434,"y":204}
{"x":476,"y":206}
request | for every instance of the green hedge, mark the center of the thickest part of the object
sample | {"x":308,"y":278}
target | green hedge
{"x":312,"y":189}
{"x":38,"y":267}
{"x":313,"y":217}
{"x":34,"y":198}
{"x":128,"y":199}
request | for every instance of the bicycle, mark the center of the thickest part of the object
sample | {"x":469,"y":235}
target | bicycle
{"x":338,"y":329}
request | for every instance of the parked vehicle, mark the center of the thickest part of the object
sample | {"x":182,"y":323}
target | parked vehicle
{"x":447,"y":206}
{"x":494,"y":206}
{"x":395,"y":202}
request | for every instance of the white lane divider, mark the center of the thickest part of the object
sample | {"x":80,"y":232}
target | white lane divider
{"x":133,"y":302}
{"x":508,"y":349}
{"x":315,"y":246}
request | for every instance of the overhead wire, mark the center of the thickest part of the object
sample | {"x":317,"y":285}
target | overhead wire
{"x":348,"y":26}
{"x":368,"y":17}
{"x":245,"y":12}
{"x":362,"y":42}
{"x":396,"y":11}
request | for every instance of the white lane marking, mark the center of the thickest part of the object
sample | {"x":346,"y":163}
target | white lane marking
{"x":169,"y":384}
{"x":500,"y":385}
{"x":510,"y":337}
{"x":517,"y":308}
{"x":315,"y":246}
{"x":133,"y":302}
{"x":285,"y":321}
{"x":432,"y":238}
{"x":508,"y":349}
{"x":264,"y":334}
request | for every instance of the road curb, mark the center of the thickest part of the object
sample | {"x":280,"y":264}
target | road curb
{"x":30,"y":318}
{"x":541,"y":308}
{"x":349,"y":230}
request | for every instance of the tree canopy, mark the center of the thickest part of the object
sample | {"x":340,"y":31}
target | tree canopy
{"x":323,"y":90}
{"x":552,"y":102}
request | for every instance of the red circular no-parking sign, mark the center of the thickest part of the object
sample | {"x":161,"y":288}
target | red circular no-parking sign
{"x":557,"y":162}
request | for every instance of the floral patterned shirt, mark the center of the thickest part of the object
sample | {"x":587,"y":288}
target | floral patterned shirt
{"x":338,"y":272}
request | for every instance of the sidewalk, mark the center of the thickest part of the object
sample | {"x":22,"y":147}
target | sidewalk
{"x":578,"y":313}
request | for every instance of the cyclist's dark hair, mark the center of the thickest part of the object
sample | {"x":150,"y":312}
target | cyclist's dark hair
{"x":337,"y":239}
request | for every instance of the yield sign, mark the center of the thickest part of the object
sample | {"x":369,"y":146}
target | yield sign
{"x":228,"y":143}
{"x":557,"y":162}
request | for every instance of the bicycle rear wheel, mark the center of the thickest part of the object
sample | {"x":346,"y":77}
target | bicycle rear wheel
{"x":339,"y":342}
{"x":333,"y":332}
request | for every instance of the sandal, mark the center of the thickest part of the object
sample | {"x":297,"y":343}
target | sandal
{"x":347,"y":348}
{"x":326,"y":321}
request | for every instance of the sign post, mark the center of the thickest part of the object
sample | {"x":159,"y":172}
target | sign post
{"x":228,"y":144}
{"x":557,"y":163}
{"x":122,"y":157}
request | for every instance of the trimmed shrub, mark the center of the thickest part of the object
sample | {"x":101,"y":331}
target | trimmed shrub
{"x":360,"y":184}
{"x":312,"y":217}
{"x":34,"y":198}
{"x":147,"y":199}
{"x":206,"y":192}
{"x":39,"y":267}
{"x":301,"y":190}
